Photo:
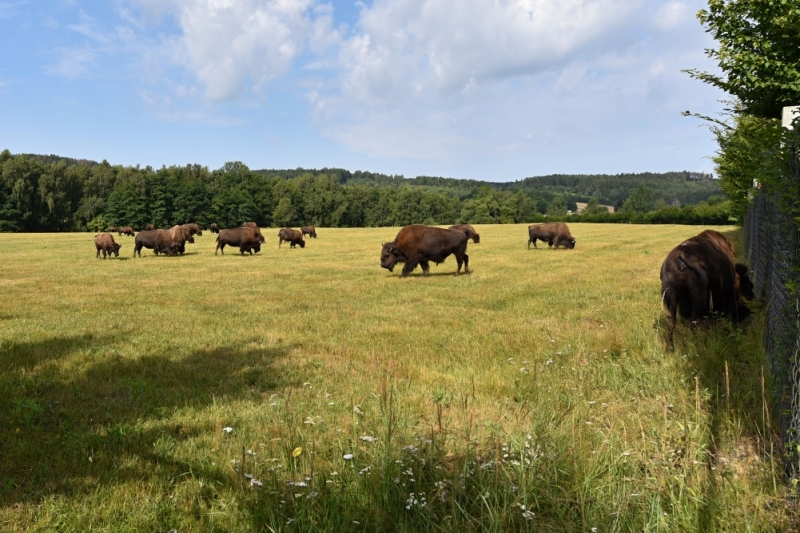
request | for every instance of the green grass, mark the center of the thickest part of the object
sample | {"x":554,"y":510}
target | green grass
{"x":535,"y":394}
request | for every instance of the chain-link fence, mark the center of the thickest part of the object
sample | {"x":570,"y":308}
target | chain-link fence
{"x":771,"y":247}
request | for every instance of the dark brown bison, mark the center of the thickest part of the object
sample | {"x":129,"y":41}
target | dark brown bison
{"x":553,"y":233}
{"x":292,"y":236}
{"x":247,"y":239}
{"x":309,"y":230}
{"x":213,"y":228}
{"x":158,"y":240}
{"x":699,"y":277}
{"x":469,"y":230}
{"x":105,"y":242}
{"x":126,"y":230}
{"x":194,"y":229}
{"x":417,"y":245}
{"x":182,"y":235}
{"x":149,"y":227}
{"x":111,"y":229}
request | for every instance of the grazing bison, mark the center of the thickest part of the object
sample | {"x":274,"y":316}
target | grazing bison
{"x":149,"y":227}
{"x":111,"y":229}
{"x":158,"y":240}
{"x":247,"y":239}
{"x":292,"y":236}
{"x":469,"y":230}
{"x":553,"y":233}
{"x":213,"y":228}
{"x":194,"y":229}
{"x":105,"y":242}
{"x":699,"y":276}
{"x":309,"y":230}
{"x":417,"y":245}
{"x":126,"y":230}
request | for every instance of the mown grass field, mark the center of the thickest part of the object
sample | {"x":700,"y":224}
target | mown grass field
{"x":533,"y":395}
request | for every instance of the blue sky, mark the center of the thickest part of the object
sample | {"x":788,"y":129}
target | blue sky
{"x":494,"y":90}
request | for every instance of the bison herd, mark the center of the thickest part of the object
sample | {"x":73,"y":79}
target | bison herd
{"x":699,"y":277}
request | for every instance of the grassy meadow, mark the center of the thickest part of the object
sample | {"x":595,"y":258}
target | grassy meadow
{"x":311,"y":390}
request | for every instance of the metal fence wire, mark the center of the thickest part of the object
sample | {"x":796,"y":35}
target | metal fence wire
{"x":771,"y":246}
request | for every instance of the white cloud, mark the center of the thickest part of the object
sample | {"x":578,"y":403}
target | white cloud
{"x":672,"y":15}
{"x":449,"y":78}
{"x":230,"y":47}
{"x":73,"y":62}
{"x":9,"y":9}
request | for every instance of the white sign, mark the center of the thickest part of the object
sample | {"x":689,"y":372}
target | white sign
{"x":789,"y":114}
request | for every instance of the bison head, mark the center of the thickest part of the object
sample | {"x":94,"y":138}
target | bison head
{"x":569,"y":244}
{"x":745,"y":284}
{"x":115,"y":249}
{"x":190,"y":239}
{"x":174,"y":248}
{"x":302,"y":243}
{"x":390,"y":256}
{"x":476,"y":238}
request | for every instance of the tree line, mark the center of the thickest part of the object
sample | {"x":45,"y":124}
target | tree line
{"x":51,"y":193}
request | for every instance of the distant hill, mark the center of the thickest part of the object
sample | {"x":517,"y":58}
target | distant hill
{"x":52,"y":158}
{"x":674,"y":188}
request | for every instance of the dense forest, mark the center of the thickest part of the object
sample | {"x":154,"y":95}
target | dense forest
{"x":51,"y":193}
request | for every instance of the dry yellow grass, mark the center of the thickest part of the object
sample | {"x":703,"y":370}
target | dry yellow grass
{"x":540,"y":381}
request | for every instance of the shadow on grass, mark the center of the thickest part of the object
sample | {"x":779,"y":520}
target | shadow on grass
{"x":68,"y":433}
{"x":727,"y":360}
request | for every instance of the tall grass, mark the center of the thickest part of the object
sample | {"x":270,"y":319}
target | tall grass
{"x":308,"y":389}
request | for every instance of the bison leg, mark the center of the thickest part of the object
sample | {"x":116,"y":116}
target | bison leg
{"x":671,"y":314}
{"x":462,"y":258}
{"x":220,"y":247}
{"x":280,"y":241}
{"x":426,"y":267}
{"x":409,"y":267}
{"x":532,"y":240}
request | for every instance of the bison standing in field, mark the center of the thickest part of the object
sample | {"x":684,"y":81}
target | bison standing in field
{"x":158,"y":240}
{"x":699,"y":277}
{"x":194,"y":229}
{"x":553,"y":233}
{"x":111,"y":229}
{"x":126,"y":230}
{"x":247,"y":239}
{"x":417,"y":245}
{"x":292,"y":236}
{"x":469,"y":230}
{"x":213,"y":228}
{"x":105,"y":242}
{"x":309,"y":230}
{"x":181,"y":235}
